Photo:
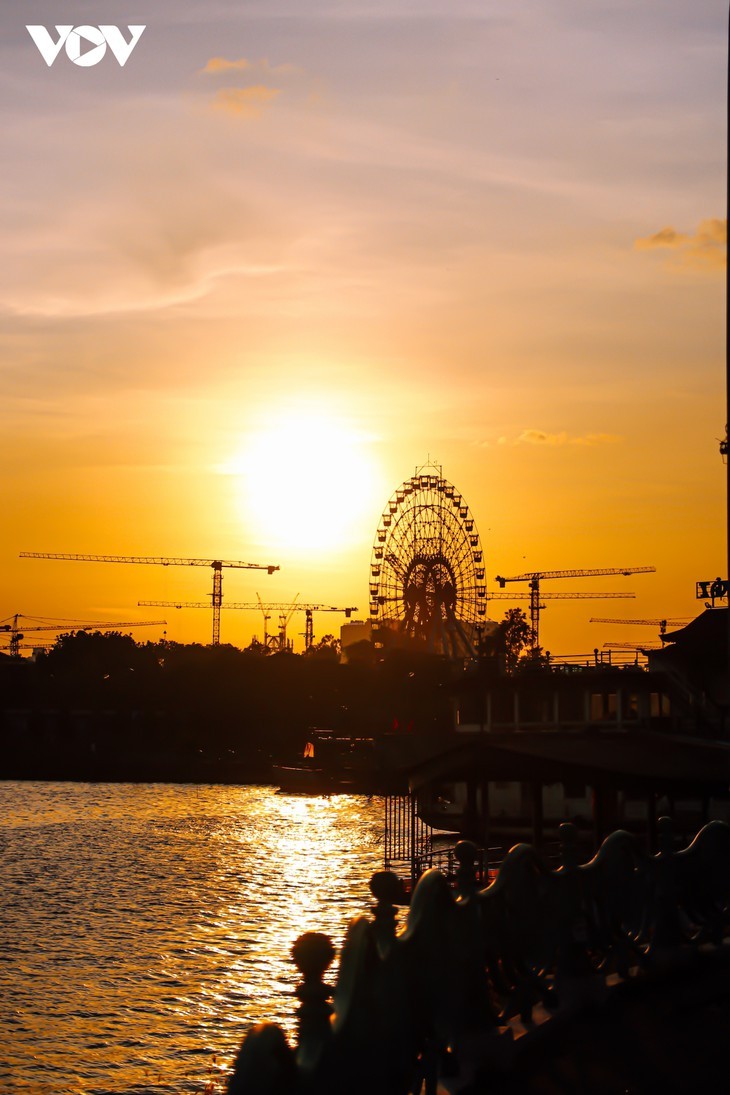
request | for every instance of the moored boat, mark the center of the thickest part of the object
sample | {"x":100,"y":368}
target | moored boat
{"x":331,"y":763}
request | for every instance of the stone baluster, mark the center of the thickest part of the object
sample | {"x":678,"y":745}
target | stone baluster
{"x":524,"y":925}
{"x":265,"y":1064}
{"x":576,"y":979}
{"x":615,"y":884}
{"x":387,"y":889}
{"x":313,"y":953}
{"x":704,"y":881}
{"x":666,"y":931}
{"x":665,"y":829}
{"x":416,"y":1007}
{"x":474,"y":1019}
{"x":568,"y":846}
{"x":466,"y":854}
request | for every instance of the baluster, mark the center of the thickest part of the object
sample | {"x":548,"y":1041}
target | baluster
{"x":466,"y":854}
{"x":576,"y":980}
{"x":387,"y":889}
{"x":615,"y":882}
{"x":265,"y":1064}
{"x":313,"y":953}
{"x":665,"y":828}
{"x":666,"y":930}
{"x":473,"y":1018}
{"x":568,"y":846}
{"x":704,"y":881}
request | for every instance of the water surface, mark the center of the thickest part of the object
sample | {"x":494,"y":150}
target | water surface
{"x":143,"y":928}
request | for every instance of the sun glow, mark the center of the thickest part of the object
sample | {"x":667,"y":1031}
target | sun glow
{"x":308,"y":482}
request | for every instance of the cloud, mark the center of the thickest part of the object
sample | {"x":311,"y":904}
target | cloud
{"x":706,"y":249}
{"x":246,"y":102}
{"x":138,"y":225}
{"x":540,"y":437}
{"x":250,"y":101}
{"x":220,"y":64}
{"x":217,"y":65}
{"x":666,"y":237}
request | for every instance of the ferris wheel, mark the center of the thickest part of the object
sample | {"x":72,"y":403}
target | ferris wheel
{"x":427,"y":569}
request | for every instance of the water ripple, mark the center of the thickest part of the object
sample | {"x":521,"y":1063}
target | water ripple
{"x":145,"y":927}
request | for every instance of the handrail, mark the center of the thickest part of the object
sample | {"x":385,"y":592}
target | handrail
{"x":441,"y":996}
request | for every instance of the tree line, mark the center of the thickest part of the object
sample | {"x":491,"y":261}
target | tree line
{"x":102,"y":702}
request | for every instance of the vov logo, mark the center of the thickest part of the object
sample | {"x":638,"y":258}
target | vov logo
{"x":85,"y":46}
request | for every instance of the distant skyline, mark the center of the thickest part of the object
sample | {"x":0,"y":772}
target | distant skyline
{"x":289,"y":251}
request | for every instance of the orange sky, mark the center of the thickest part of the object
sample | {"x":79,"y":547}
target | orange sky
{"x":290,"y":251}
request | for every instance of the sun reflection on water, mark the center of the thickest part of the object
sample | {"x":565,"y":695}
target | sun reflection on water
{"x":151,"y":925}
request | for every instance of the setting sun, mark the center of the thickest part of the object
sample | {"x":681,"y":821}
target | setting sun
{"x":308,"y":482}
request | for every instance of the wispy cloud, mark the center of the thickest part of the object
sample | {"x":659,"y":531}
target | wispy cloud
{"x":252,"y":100}
{"x":139,"y":227}
{"x":706,"y":249}
{"x":220,"y":64}
{"x":217,"y":65}
{"x":246,"y":102}
{"x":541,"y":437}
{"x":666,"y":237}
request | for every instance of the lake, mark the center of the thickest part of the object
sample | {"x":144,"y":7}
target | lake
{"x":145,"y":927}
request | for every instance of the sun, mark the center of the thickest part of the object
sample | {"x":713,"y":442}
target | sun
{"x":309,"y":483}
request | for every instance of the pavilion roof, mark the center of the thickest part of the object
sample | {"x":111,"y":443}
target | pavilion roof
{"x":635,"y":760}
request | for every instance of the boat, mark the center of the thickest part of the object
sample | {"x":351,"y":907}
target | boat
{"x":330,"y":763}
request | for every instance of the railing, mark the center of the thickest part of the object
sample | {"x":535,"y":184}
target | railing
{"x":609,"y":659}
{"x":444,"y":858}
{"x":441,"y":998}
{"x":407,"y":836}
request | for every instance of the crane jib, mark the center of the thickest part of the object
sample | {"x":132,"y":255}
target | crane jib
{"x":216,"y":565}
{"x":150,"y":560}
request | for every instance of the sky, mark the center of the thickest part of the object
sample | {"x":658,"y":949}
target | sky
{"x":289,"y":252}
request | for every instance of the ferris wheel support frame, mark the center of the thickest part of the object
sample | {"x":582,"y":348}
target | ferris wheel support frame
{"x":427,"y":572}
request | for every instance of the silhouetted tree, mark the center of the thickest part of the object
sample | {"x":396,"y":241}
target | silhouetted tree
{"x":533,"y":660}
{"x":100,"y":705}
{"x":327,"y":647}
{"x":361,"y":653}
{"x":513,"y":635}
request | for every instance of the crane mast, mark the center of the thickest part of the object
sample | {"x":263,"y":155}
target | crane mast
{"x":267,"y":617}
{"x":216,"y":565}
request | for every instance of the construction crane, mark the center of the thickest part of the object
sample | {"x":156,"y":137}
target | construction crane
{"x":276,"y":642}
{"x":285,"y":615}
{"x":661,"y":624}
{"x":309,"y":611}
{"x":267,"y":617}
{"x":285,"y":609}
{"x":24,"y":646}
{"x":632,"y":646}
{"x":216,"y":565}
{"x":582,"y":596}
{"x":535,"y":577}
{"x":18,"y":632}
